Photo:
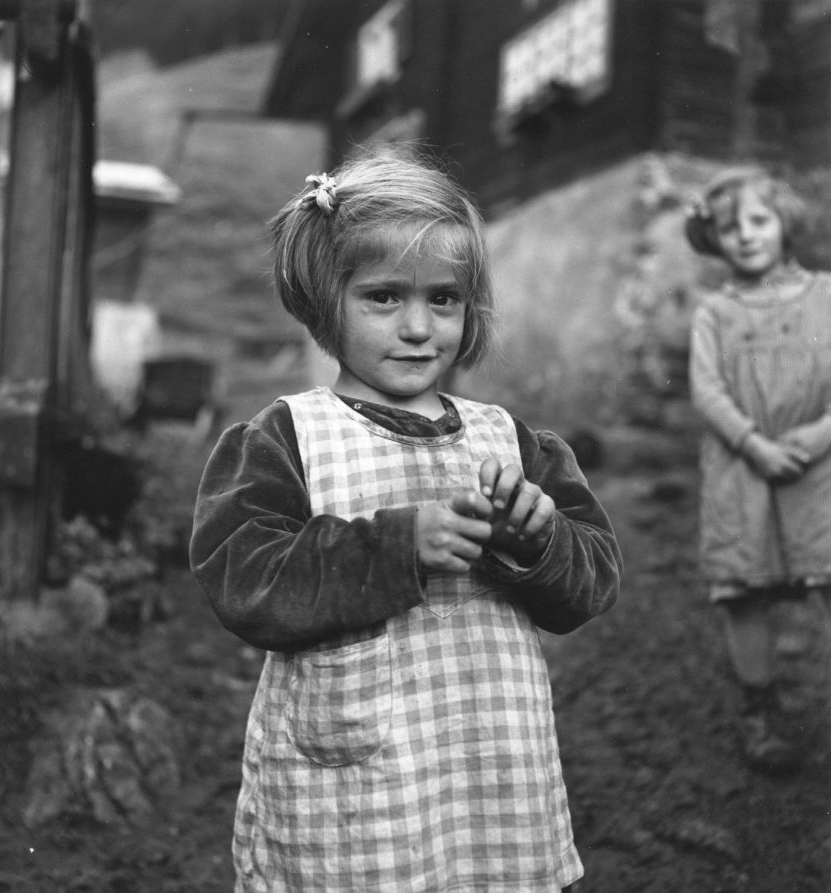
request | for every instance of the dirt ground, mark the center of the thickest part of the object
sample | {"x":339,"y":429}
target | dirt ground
{"x":661,"y":801}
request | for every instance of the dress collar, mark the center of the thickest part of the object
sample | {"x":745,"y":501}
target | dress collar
{"x":400,"y":421}
{"x":785,"y":283}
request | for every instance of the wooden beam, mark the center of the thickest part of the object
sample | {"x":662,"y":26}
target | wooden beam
{"x":36,"y":219}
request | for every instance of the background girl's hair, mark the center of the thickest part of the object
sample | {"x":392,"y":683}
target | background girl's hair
{"x":774,"y":192}
{"x":391,"y":198}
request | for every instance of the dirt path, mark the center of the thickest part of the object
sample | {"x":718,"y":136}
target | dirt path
{"x":661,"y":800}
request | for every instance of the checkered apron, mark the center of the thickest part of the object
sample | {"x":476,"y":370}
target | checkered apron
{"x":419,"y":755}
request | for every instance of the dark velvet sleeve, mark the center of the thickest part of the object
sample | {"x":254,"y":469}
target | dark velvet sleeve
{"x":277,"y":577}
{"x":578,"y":576}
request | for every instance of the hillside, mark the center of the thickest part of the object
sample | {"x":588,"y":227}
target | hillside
{"x":173,"y":32}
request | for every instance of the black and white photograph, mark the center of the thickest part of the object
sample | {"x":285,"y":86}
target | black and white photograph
{"x":415,"y":446}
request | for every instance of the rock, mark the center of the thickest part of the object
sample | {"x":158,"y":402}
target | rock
{"x":28,"y":622}
{"x":704,"y":835}
{"x":80,"y":607}
{"x":83,"y":604}
{"x":107,"y":754}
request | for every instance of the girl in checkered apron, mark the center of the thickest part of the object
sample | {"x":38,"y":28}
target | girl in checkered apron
{"x":393,"y":549}
{"x":760,"y":375}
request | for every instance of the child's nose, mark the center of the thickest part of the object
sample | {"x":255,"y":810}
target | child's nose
{"x":745,"y":228}
{"x":416,"y":323}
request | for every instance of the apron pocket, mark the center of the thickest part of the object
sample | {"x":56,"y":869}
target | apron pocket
{"x":340,"y":702}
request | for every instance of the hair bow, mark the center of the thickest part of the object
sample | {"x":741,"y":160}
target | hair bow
{"x":322,"y":193}
{"x":697,"y":207}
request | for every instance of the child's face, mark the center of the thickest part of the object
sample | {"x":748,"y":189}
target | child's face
{"x":749,"y":232}
{"x":402,"y":324}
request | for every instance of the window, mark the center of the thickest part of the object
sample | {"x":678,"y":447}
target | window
{"x":381,"y":45}
{"x":567,"y":52}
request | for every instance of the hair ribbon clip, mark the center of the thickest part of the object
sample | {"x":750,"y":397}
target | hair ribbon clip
{"x":698,"y":208}
{"x":322,"y":193}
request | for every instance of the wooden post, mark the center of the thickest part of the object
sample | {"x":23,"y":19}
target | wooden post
{"x":38,"y":301}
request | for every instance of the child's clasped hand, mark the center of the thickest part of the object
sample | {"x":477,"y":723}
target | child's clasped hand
{"x":776,"y":460}
{"x":507,"y":513}
{"x":523,"y":516}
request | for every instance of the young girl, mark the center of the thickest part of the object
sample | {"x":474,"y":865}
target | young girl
{"x":392,"y":549}
{"x":761,"y":379}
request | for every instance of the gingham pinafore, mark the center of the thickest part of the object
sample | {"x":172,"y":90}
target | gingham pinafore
{"x":420,"y":755}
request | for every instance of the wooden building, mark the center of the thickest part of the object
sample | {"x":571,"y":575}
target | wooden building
{"x":806,"y":83}
{"x":529,"y":94}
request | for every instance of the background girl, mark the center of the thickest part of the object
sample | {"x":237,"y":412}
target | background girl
{"x":392,"y":548}
{"x":761,"y":379}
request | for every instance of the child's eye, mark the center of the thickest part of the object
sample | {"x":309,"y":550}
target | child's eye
{"x":381,"y":297}
{"x":445,"y":299}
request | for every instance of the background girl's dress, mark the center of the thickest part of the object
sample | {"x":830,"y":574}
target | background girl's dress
{"x":763,"y":364}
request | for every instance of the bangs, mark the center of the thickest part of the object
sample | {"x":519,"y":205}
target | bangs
{"x":725,"y":205}
{"x":448,"y":242}
{"x":724,"y":196}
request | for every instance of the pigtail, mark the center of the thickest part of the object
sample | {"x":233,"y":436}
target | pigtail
{"x":699,"y":228}
{"x":301,"y":247}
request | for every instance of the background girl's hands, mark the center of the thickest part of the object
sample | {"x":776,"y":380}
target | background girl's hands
{"x":523,"y":515}
{"x":450,"y":533}
{"x":814,"y":438}
{"x":776,"y":460}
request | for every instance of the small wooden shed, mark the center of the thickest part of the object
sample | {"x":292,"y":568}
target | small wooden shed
{"x":127,"y":195}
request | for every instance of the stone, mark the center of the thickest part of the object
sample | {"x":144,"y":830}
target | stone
{"x":106,"y":754}
{"x":83,"y":604}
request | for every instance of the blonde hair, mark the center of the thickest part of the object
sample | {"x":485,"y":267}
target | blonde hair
{"x":773,"y":192}
{"x":375,"y":202}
